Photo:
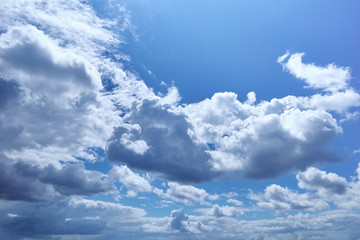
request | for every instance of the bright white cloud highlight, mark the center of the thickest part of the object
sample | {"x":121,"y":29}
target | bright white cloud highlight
{"x":186,"y":194}
{"x":282,"y":199}
{"x":314,"y":178}
{"x":330,"y":78}
{"x":130,"y":179}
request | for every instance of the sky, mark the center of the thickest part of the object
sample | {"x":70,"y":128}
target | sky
{"x":175,"y":119}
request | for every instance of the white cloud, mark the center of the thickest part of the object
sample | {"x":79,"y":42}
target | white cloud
{"x":166,"y":147}
{"x":330,"y":188}
{"x":282,"y":199}
{"x":223,"y":211}
{"x":131,"y":180}
{"x":251,"y":98}
{"x":356,"y":151}
{"x":54,"y":107}
{"x":178,"y":221}
{"x":330,"y":78}
{"x":186,"y":194}
{"x":313,"y":178}
{"x":67,"y":217}
{"x":60,"y":96}
{"x":33,"y":60}
{"x":255,"y":139}
{"x":235,"y":202}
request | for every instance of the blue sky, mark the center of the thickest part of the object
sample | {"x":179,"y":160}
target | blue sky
{"x":179,"y":119}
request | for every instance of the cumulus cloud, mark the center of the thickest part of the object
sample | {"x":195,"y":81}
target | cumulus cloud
{"x":255,"y":139}
{"x":53,"y":106}
{"x":32,"y":59}
{"x":332,"y":224}
{"x":70,"y":179}
{"x":314,"y":178}
{"x":261,"y":140}
{"x":64,"y":217}
{"x":62,"y":94}
{"x":15,"y":186}
{"x":156,"y":139}
{"x":178,"y":220}
{"x":223,"y":211}
{"x":186,"y":194}
{"x":282,"y":199}
{"x":22,"y":181}
{"x":329,"y":188}
{"x":131,"y":180}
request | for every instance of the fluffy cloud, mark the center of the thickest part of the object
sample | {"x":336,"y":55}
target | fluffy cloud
{"x":65,"y":216}
{"x":184,"y":193}
{"x":62,"y":95}
{"x":282,"y":199}
{"x":330,"y":78}
{"x":156,"y":139}
{"x":235,"y":202}
{"x":223,"y":211}
{"x":22,"y":181}
{"x":15,"y":186}
{"x":70,"y":179}
{"x":178,"y":220}
{"x":330,"y":188}
{"x":256,"y":139}
{"x":325,"y":225}
{"x":53,"y":107}
{"x":313,"y":178}
{"x":33,"y":59}
{"x":270,"y":138}
{"x":130,"y":179}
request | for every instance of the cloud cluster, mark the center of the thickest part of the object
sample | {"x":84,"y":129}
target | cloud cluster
{"x":53,"y":106}
{"x":63,"y":96}
{"x":282,"y":199}
{"x":270,"y":138}
{"x":259,"y":140}
{"x":223,"y":211}
{"x":186,"y":194}
{"x":71,"y":217}
{"x":178,"y":220}
{"x":322,"y":187}
{"x":156,"y":139}
{"x":313,"y":178}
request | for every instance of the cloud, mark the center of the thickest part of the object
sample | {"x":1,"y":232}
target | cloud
{"x":131,"y":180}
{"x":255,"y":139}
{"x":226,"y":135}
{"x":330,"y":78}
{"x":156,"y":139}
{"x":223,"y":211}
{"x":70,"y":179}
{"x":50,"y":89}
{"x":15,"y":186}
{"x":282,"y":199}
{"x":22,"y":181}
{"x":32,"y":58}
{"x":314,"y":178}
{"x":178,"y":220}
{"x":235,"y":202}
{"x":184,"y":193}
{"x":64,"y":217}
{"x":329,"y":188}
{"x":62,"y":94}
{"x":53,"y":107}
